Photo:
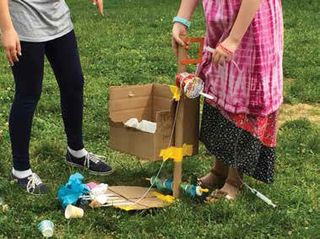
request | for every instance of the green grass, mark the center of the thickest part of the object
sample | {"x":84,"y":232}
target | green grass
{"x":130,"y":46}
{"x":302,"y":51}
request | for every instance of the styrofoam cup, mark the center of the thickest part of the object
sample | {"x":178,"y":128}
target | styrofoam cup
{"x":46,"y":227}
{"x":73,"y":212}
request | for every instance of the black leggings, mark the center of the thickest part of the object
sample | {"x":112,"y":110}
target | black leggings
{"x":63,"y":56}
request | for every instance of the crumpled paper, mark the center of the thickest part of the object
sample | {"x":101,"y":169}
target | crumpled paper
{"x":100,"y":189}
{"x":143,"y":125}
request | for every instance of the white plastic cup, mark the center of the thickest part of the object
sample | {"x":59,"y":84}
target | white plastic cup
{"x":46,"y":227}
{"x":73,"y":212}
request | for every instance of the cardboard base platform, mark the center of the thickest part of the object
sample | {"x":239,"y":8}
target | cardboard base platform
{"x":130,"y":198}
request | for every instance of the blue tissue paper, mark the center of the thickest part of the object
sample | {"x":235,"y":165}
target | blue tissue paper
{"x":72,"y":190}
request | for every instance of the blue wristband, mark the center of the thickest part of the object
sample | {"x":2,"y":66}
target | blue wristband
{"x":183,"y":21}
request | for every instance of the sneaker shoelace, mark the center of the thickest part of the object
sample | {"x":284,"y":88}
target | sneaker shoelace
{"x":33,"y":181}
{"x":90,"y":157}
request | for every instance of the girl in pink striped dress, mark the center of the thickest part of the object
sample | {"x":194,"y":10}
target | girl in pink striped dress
{"x":243,"y":73}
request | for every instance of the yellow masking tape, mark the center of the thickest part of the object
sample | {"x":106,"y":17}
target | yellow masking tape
{"x":126,"y":208}
{"x":176,"y":153}
{"x":187,"y":150}
{"x":165,"y":198}
{"x":175,"y":92}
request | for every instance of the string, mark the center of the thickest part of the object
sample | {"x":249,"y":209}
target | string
{"x":252,"y":190}
{"x":162,"y":164}
{"x":212,"y":50}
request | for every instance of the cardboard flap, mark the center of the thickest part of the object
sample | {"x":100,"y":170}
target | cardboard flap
{"x":131,"y":192}
{"x":127,"y":102}
{"x":162,"y":100}
{"x":138,"y":101}
{"x":164,"y":122}
{"x":162,"y":91}
{"x":125,"y":92}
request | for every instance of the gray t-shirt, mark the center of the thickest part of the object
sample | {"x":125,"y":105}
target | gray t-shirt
{"x":40,"y":20}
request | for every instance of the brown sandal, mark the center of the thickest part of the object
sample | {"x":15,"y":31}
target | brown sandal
{"x":209,"y":184}
{"x":219,"y":194}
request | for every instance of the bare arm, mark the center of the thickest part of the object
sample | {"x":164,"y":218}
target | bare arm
{"x":5,"y":19}
{"x":186,"y":10}
{"x":247,"y":11}
{"x":9,"y":38}
{"x":99,"y":4}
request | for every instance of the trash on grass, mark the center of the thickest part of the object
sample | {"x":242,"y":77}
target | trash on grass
{"x":3,"y":206}
{"x":100,"y":189}
{"x":165,"y":185}
{"x":91,"y":185}
{"x":46,"y":227}
{"x":73,"y":212}
{"x":72,"y":190}
{"x":101,"y":195}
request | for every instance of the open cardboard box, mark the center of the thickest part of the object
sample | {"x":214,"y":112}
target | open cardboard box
{"x":152,"y":102}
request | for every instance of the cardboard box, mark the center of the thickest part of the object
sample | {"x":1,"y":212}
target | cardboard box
{"x":151,"y":102}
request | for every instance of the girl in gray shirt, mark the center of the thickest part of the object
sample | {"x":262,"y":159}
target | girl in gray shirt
{"x":31,"y":30}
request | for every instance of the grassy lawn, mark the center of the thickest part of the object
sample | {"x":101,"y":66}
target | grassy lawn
{"x":132,"y":45}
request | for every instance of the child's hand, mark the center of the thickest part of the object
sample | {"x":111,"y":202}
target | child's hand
{"x":11,"y":45}
{"x":224,"y":51}
{"x":177,"y":30}
{"x":99,"y":4}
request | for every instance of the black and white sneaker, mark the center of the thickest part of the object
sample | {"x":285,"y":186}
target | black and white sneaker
{"x":32,"y":184}
{"x":94,"y":163}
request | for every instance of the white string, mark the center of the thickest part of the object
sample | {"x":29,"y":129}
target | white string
{"x":162,"y":164}
{"x":254,"y":191}
{"x":212,"y":50}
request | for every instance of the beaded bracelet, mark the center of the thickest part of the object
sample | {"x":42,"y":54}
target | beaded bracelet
{"x":183,"y":21}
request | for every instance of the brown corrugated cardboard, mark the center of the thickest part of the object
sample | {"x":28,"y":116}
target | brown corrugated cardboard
{"x":151,"y":102}
{"x":187,"y":126}
{"x":132,"y":195}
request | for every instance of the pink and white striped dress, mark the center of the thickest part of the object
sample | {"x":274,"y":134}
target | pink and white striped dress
{"x":255,"y":87}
